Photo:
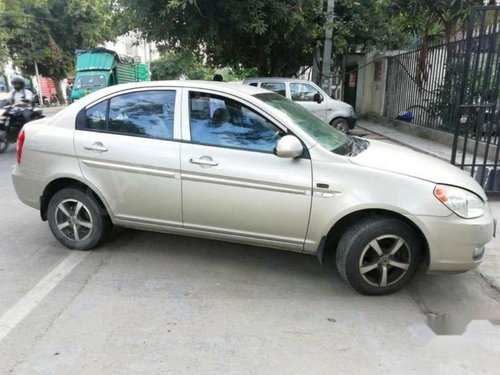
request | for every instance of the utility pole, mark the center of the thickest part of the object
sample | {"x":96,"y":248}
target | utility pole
{"x":40,"y":96}
{"x":326,"y":80}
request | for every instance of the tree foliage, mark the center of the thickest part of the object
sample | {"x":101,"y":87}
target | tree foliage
{"x":274,"y":36}
{"x":431,"y":19}
{"x":177,"y":65}
{"x":49,"y":32}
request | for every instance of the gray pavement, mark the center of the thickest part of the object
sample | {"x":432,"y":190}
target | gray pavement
{"x":149,"y":303}
{"x":51,"y":111}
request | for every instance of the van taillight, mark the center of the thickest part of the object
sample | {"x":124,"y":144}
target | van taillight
{"x":20,"y":143}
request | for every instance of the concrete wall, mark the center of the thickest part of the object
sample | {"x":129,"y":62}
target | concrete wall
{"x":370,"y":93}
{"x":374,"y":87}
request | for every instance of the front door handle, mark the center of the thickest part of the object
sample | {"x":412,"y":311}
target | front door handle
{"x":204,"y":160}
{"x":97,"y":147}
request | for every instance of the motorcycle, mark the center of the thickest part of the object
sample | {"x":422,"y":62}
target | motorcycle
{"x":12,"y":120}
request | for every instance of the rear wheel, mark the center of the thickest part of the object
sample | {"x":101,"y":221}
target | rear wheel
{"x":3,"y":145}
{"x":77,"y":220}
{"x":378,"y":255}
{"x":341,"y":125}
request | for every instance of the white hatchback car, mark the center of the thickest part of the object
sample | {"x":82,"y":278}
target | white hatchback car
{"x":310,"y":96}
{"x":238,"y":163}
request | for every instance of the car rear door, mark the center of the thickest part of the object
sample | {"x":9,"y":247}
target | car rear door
{"x":128,"y":147}
{"x":232,"y":183}
{"x":277,"y":87}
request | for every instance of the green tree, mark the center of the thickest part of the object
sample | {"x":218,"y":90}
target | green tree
{"x":49,"y":31}
{"x":3,"y":41}
{"x":176,"y":65}
{"x":275,"y":36}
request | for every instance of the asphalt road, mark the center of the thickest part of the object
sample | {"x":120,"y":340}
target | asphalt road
{"x":149,"y":303}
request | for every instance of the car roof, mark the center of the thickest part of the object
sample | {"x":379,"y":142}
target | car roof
{"x":222,"y":86}
{"x":274,"y":79}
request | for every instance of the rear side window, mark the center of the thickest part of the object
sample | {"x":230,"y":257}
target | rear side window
{"x":149,"y":114}
{"x":145,"y":114}
{"x":253,"y":84}
{"x":278,"y":88}
{"x":95,"y":117}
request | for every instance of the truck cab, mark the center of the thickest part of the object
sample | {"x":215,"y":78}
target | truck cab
{"x":99,"y":67}
{"x":90,"y":81}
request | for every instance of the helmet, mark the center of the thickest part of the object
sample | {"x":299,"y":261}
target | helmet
{"x":18,"y":80}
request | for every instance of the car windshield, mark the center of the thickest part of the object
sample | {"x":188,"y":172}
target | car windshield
{"x":317,"y":129}
{"x":90,"y":81}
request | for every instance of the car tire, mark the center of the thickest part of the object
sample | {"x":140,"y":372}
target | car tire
{"x":341,"y":124}
{"x":378,"y":255}
{"x":71,"y":211}
{"x":3,"y":146}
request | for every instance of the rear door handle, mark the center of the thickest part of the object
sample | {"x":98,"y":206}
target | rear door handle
{"x":204,"y":160}
{"x":97,"y":147}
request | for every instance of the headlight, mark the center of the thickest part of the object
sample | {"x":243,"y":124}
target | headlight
{"x":351,"y":111}
{"x":462,"y":202}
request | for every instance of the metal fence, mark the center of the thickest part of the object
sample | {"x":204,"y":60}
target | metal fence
{"x":423,"y":86}
{"x":476,"y":141}
{"x":454,"y":87}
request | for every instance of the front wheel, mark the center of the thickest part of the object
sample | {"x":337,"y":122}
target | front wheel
{"x":378,"y":255}
{"x":77,"y":220}
{"x":341,"y":124}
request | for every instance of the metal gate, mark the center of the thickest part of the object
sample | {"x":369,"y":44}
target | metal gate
{"x":477,"y":112}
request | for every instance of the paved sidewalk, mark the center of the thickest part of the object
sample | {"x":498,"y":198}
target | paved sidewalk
{"x":490,"y":268}
{"x":425,"y":146}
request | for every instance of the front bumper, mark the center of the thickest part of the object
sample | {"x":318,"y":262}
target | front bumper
{"x":456,"y":244}
{"x":352,"y":121}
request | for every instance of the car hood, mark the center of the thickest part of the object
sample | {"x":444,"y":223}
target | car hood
{"x":339,"y":103}
{"x":407,"y":162}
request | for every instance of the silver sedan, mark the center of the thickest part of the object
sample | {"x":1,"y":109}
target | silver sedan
{"x":238,"y":163}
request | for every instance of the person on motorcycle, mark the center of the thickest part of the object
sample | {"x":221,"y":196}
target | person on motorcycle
{"x":21,"y":96}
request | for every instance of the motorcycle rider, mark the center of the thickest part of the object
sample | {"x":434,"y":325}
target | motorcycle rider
{"x":21,"y":96}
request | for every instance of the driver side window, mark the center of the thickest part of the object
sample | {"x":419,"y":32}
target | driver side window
{"x":223,"y":122}
{"x":302,"y":92}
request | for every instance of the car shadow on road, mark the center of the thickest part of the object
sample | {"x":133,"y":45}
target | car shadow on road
{"x":273,"y":268}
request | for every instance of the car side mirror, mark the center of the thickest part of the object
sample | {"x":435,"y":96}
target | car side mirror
{"x":318,"y":98}
{"x":289,"y":146}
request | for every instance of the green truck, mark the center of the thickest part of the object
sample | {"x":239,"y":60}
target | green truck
{"x":100,"y":67}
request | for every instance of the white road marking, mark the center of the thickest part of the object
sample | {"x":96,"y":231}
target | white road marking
{"x":12,"y":317}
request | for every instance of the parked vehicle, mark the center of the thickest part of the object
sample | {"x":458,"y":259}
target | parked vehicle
{"x":99,"y":67}
{"x":12,"y":120}
{"x":242,"y":164}
{"x":309,"y":95}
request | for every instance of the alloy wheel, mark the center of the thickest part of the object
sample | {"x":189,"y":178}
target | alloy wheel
{"x":73,"y":220}
{"x":341,"y":125}
{"x":385,"y":260}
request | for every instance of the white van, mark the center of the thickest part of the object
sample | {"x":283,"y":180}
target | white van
{"x":309,"y":95}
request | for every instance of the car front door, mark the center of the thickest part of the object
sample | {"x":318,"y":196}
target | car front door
{"x":127,"y":148}
{"x":305,"y":95}
{"x":232,"y":183}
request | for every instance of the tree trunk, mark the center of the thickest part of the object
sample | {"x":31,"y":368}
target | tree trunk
{"x":61,"y":95}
